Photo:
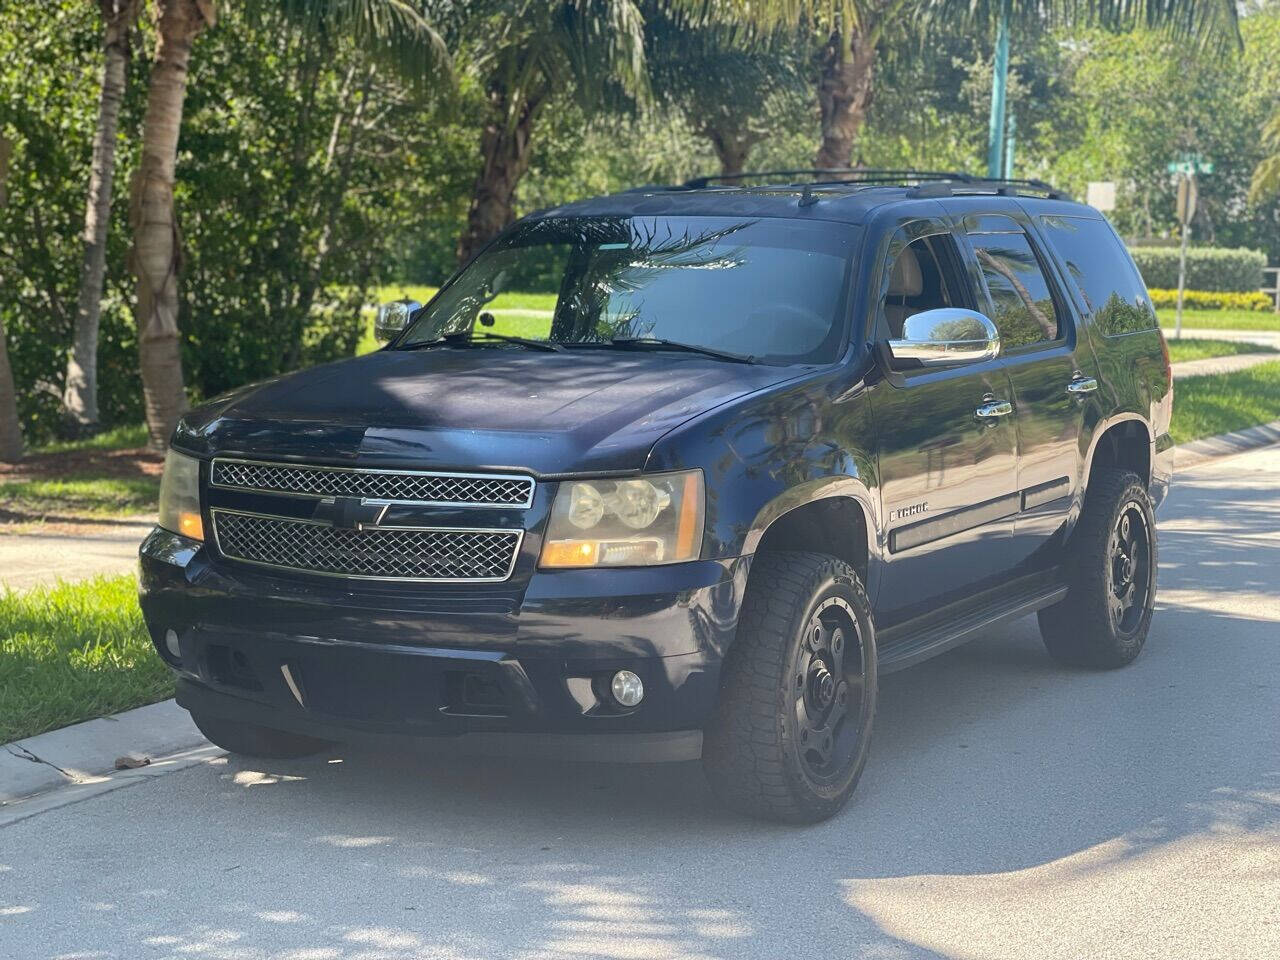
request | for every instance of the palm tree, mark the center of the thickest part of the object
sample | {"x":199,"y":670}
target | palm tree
{"x":397,"y":30}
{"x":855,"y":30}
{"x":1266,"y":178}
{"x":10,"y":426}
{"x":728,"y":80}
{"x":80,"y":393}
{"x":525,"y":53}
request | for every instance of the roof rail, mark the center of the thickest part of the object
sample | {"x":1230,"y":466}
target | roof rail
{"x":933,"y":183}
{"x":860,"y":173}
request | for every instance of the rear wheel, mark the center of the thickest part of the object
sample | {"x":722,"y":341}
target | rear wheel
{"x":251,"y":740}
{"x":1111,"y":570}
{"x":798,"y":695}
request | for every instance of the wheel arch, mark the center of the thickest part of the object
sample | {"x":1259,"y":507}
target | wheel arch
{"x":833,"y":516}
{"x":1123,"y":441}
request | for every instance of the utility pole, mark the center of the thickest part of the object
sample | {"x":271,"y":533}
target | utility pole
{"x":999,"y":84}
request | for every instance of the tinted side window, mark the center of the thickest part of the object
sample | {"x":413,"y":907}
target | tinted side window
{"x":1020,"y":294}
{"x":1100,"y":267}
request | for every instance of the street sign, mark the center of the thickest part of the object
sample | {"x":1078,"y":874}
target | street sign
{"x":1187,"y":196}
{"x":1101,"y":195}
{"x":1190,"y":163}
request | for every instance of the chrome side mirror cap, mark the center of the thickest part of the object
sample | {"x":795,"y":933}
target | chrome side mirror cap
{"x":948,"y":335}
{"x":392,"y":318}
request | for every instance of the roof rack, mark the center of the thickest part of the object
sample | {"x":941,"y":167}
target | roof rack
{"x":928,"y":183}
{"x":862,"y":174}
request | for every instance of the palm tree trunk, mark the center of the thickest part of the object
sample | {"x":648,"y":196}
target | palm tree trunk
{"x":157,"y":243}
{"x":844,"y":92}
{"x":505,"y":148}
{"x":732,"y":148}
{"x":10,"y":425}
{"x":80,"y":394}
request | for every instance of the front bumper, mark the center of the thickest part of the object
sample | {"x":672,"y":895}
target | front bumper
{"x":502,"y":669}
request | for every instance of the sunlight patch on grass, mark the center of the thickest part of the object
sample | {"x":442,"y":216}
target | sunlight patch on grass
{"x":1207,"y":406}
{"x":83,"y":496}
{"x":1223,"y":319}
{"x":1180,"y":351}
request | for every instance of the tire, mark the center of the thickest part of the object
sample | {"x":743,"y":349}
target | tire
{"x":775,"y":748}
{"x":1104,"y":619}
{"x":251,"y":740}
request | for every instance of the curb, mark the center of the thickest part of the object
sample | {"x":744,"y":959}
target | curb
{"x":1225,"y":445}
{"x":62,"y":766}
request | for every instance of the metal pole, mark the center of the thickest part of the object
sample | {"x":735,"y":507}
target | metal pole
{"x":1010,"y":146}
{"x":999,"y":82}
{"x":1182,"y":264}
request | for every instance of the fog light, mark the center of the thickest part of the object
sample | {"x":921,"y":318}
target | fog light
{"x":171,"y":642}
{"x":627,"y":688}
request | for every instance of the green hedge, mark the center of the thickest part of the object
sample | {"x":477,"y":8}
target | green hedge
{"x":1208,"y":268}
{"x":1211,"y":299}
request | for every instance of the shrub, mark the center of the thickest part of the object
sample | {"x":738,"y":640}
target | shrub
{"x":1208,"y":268}
{"x":1211,"y":300}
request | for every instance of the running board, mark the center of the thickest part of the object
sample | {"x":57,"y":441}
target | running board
{"x":915,"y":647}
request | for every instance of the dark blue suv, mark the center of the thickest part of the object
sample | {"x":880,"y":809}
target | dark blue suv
{"x":676,"y":474}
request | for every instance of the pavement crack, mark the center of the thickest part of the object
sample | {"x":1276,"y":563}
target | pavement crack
{"x":22,"y":753}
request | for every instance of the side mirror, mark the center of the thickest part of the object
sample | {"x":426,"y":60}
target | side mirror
{"x":945,"y":336}
{"x":392,"y":318}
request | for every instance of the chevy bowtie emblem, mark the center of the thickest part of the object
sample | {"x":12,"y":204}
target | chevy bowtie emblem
{"x":350,"y":513}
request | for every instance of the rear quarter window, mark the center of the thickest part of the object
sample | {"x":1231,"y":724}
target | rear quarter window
{"x":1103,"y":272}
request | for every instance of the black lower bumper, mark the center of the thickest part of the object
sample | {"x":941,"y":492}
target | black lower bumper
{"x":521,"y":672}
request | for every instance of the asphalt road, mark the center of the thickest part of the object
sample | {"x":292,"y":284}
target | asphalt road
{"x":1012,"y":808}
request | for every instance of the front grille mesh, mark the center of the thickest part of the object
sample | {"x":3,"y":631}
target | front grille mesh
{"x":378,"y":554}
{"x":443,"y":488}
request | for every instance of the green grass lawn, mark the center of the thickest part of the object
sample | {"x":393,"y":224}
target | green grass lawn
{"x":1205,"y":406}
{"x":1186,"y":349}
{"x":117,"y":438}
{"x":73,"y":652}
{"x":1223,"y":319}
{"x":80,"y":496}
{"x":515,"y":314}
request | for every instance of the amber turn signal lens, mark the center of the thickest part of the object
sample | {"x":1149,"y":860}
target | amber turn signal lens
{"x":189,"y":525}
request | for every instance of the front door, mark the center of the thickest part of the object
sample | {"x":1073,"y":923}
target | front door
{"x":948,"y":476}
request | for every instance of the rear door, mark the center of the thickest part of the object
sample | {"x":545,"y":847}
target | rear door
{"x":1051,"y":369}
{"x":947,"y":477}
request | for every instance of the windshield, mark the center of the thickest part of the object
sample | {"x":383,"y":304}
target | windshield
{"x":770,"y":289}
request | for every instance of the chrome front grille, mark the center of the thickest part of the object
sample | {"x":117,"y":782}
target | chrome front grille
{"x":428,"y":554}
{"x":400,"y":486}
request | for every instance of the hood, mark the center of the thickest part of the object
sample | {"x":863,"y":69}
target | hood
{"x":578,"y":411}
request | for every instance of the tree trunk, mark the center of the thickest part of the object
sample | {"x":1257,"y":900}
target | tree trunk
{"x":10,"y":425}
{"x":505,"y":149}
{"x":732,"y":148}
{"x":157,"y":243}
{"x":80,"y":394}
{"x":844,"y":93}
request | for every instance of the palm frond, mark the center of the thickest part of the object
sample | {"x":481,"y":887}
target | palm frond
{"x":395,"y":30}
{"x":1266,"y":178}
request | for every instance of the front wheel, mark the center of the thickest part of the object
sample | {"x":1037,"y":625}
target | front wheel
{"x":1111,"y":574}
{"x":798,"y":695}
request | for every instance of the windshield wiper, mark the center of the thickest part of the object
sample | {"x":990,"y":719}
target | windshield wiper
{"x":468,"y":336}
{"x":677,"y":345}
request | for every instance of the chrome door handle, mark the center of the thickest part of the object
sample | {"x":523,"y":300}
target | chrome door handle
{"x":993,"y":408}
{"x":1082,"y":385}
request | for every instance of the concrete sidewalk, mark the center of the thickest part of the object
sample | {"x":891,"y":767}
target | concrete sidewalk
{"x":45,"y":553}
{"x":1215,"y":365}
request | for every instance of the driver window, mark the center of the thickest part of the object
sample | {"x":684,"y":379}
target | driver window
{"x":918,"y":282}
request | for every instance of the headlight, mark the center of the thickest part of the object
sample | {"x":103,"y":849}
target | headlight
{"x":626,"y":523}
{"x":180,"y":496}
